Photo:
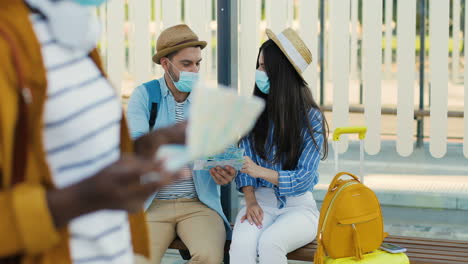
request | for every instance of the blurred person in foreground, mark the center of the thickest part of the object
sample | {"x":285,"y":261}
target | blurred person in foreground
{"x":71,"y":185}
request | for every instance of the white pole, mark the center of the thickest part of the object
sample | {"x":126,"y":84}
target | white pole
{"x":372,"y":63}
{"x":116,"y":43}
{"x":456,"y":40}
{"x":354,"y":39}
{"x":465,"y":118}
{"x":438,"y":56}
{"x":141,"y":40}
{"x":339,"y":18}
{"x":309,"y":32}
{"x":406,"y":37}
{"x":388,"y":37}
{"x":249,"y":41}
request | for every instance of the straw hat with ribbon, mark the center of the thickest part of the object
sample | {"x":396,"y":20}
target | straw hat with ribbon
{"x":293,"y":47}
{"x":174,"y":39}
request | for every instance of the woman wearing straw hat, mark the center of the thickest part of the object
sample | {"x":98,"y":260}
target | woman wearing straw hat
{"x":283,"y":152}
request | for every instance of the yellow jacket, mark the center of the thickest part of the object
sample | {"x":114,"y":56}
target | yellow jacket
{"x":26,"y":226}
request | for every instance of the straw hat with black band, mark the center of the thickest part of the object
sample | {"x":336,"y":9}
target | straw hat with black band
{"x":293,"y":47}
{"x":174,"y":39}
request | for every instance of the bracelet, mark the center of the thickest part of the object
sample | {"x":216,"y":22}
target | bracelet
{"x":150,"y":177}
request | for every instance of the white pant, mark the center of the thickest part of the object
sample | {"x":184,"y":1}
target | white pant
{"x":284,"y":230}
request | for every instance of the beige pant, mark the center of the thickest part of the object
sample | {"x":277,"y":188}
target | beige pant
{"x":199,"y":227}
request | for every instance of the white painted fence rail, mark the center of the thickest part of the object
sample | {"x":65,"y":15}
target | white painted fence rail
{"x":370,"y":46}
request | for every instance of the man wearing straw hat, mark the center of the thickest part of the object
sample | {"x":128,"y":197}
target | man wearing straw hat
{"x":190,"y":208}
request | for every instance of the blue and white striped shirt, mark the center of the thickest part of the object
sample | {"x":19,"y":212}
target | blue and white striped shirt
{"x":82,"y":117}
{"x":291,"y":182}
{"x":185,"y":188}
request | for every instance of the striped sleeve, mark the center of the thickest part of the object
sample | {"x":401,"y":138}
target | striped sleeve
{"x":301,"y":180}
{"x":243,"y":179}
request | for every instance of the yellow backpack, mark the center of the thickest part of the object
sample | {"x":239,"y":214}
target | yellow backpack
{"x":351,"y":222}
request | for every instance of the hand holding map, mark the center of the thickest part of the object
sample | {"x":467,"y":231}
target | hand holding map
{"x":218,"y":118}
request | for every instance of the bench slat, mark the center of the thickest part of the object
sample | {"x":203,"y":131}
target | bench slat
{"x":425,"y":261}
{"x":420,"y":250}
{"x":453,"y":250}
{"x":428,"y":257}
{"x":302,"y":255}
{"x":425,"y":241}
{"x":436,"y":243}
{"x":439,"y":251}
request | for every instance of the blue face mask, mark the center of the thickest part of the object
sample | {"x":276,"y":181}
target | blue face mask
{"x":187,"y":80}
{"x":262,"y":81}
{"x":90,"y":2}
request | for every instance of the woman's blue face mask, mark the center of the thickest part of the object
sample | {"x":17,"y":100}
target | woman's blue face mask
{"x":262,"y":81}
{"x":90,"y":2}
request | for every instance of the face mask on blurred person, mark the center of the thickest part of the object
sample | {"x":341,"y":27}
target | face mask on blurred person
{"x":72,"y":24}
{"x":90,"y":2}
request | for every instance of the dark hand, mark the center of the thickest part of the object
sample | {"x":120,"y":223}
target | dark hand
{"x":147,"y":145}
{"x":118,"y":186}
{"x":223,"y":176}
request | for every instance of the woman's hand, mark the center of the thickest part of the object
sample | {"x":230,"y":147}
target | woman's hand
{"x":251,"y":168}
{"x":256,"y":171}
{"x":223,"y":176}
{"x":253,"y":214}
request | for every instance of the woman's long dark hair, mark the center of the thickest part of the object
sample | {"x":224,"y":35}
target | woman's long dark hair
{"x":287,"y":109}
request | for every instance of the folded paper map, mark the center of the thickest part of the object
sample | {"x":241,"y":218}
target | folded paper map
{"x":218,"y":118}
{"x":232,"y":156}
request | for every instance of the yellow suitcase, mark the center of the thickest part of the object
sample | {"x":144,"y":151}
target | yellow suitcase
{"x":376,"y":257}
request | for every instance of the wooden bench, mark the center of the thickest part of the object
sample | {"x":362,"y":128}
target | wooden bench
{"x":420,"y":250}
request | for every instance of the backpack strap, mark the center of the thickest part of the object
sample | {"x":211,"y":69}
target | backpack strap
{"x":338,"y":176}
{"x":154,"y":94}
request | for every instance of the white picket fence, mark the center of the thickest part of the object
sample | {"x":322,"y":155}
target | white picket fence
{"x":353,"y":54}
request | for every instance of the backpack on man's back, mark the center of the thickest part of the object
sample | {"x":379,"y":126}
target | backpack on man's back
{"x":153,"y":88}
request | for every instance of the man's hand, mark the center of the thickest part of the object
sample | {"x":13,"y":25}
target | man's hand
{"x":147,"y":145}
{"x":117,"y":186}
{"x":223,"y":176}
